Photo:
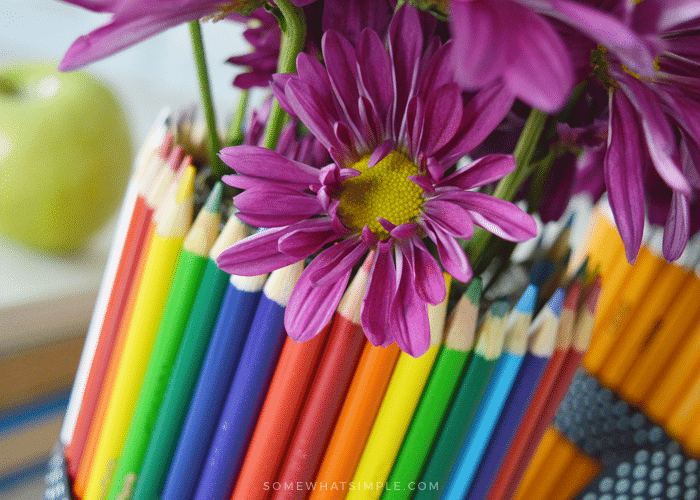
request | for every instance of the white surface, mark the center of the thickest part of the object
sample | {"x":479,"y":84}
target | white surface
{"x":155,"y":73}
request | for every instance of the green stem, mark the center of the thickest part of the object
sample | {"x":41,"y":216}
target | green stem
{"x":508,"y":186}
{"x":293,"y":41}
{"x":217,"y":166}
{"x":234,"y":136}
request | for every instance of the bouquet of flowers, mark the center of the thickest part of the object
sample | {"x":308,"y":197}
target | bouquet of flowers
{"x":426,"y":132}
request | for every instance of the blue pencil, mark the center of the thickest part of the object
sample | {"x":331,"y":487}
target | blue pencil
{"x":494,"y":398}
{"x":248,"y":387}
{"x":242,"y":296}
{"x":541,"y":347}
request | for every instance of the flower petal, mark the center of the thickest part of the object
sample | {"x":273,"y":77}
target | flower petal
{"x":677,"y":230}
{"x":336,"y":260}
{"x":480,"y":117}
{"x":452,"y":256}
{"x":408,"y":314}
{"x":623,"y":173}
{"x":499,"y":217}
{"x":658,"y":134}
{"x":307,"y":237}
{"x":311,"y":307}
{"x":314,"y":112}
{"x":451,"y":217}
{"x":261,"y":162}
{"x":443,"y":114}
{"x":481,"y":172}
{"x":375,"y":72}
{"x":380,"y":288}
{"x":258,"y":254}
{"x":428,"y":278}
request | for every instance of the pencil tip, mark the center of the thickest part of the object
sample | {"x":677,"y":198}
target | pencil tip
{"x":556,"y":301}
{"x":526,"y":304}
{"x":214,"y":200}
{"x":473,"y":291}
{"x":499,"y":309}
{"x":186,"y":187}
{"x":572,"y":296}
{"x":175,"y":158}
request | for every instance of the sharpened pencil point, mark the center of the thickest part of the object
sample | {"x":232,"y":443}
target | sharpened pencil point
{"x":499,"y":309}
{"x":526,"y":304}
{"x":556,"y":301}
{"x":473,"y":291}
{"x":214,"y":200}
{"x":186,"y":187}
{"x":175,"y":158}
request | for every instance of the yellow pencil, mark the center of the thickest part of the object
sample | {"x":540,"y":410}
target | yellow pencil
{"x":667,"y":345}
{"x":174,"y":222}
{"x":581,"y":470}
{"x":396,"y":411}
{"x":538,"y":461}
{"x":681,"y":423}
{"x":647,"y":318}
{"x":678,"y":377}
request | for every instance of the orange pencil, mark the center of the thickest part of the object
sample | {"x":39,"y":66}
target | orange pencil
{"x":356,"y":418}
{"x":682,"y":421}
{"x":288,"y":388}
{"x":555,"y":460}
{"x":521,"y":440}
{"x":680,"y":375}
{"x":126,"y":271}
{"x":580,"y":340}
{"x":330,"y":384}
{"x":664,"y":347}
{"x":646,"y":319}
{"x":581,"y":470}
{"x":85,"y":463}
{"x":154,"y":199}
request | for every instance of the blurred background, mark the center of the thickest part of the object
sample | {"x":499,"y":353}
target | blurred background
{"x":46,"y":301}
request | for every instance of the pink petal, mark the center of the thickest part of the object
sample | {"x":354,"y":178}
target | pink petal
{"x":377,"y":299}
{"x":453,"y":218}
{"x":481,"y":172}
{"x":311,"y":307}
{"x":408,"y":314}
{"x":443,"y":114}
{"x":375,"y":72}
{"x":452,"y":256}
{"x":677,"y":230}
{"x":307,"y":237}
{"x":428,"y":278}
{"x":258,"y":254}
{"x":499,"y":217}
{"x":336,"y":260}
{"x":623,"y":173}
{"x":261,"y":162}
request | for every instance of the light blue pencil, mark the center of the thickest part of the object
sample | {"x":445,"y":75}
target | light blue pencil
{"x":495,"y":397}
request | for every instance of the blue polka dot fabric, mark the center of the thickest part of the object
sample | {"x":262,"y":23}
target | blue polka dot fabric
{"x":640,"y":461}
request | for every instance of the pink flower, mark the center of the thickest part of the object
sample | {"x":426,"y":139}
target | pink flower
{"x":394,"y":124}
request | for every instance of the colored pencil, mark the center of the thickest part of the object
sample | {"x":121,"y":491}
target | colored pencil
{"x":148,"y":309}
{"x":273,"y":430}
{"x":682,"y":419}
{"x":206,"y":312}
{"x":490,"y":407}
{"x":394,"y":416}
{"x":186,"y":280}
{"x":118,"y":268}
{"x":646,"y":320}
{"x":553,"y":456}
{"x":433,"y":405}
{"x":691,"y":441}
{"x":249,"y":386}
{"x":86,"y":459}
{"x":664,"y":347}
{"x":331,"y":382}
{"x":355,"y":421}
{"x":517,"y":452}
{"x":581,"y":470}
{"x":109,"y":310}
{"x":541,"y":347}
{"x":461,"y":414}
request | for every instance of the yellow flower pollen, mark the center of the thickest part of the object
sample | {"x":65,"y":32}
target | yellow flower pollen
{"x":384,"y":190}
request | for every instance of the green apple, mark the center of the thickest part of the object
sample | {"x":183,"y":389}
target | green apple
{"x":65,"y":156}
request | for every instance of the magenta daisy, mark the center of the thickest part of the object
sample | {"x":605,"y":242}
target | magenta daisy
{"x":394,"y":124}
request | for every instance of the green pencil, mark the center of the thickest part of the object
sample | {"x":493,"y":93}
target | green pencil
{"x":488,"y":349}
{"x":188,"y":361}
{"x":433,"y":405}
{"x":186,"y":280}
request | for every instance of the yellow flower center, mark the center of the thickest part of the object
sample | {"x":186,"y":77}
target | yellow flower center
{"x":384,"y":190}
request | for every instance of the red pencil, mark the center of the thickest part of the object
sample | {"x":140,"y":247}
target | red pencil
{"x":327,"y":393}
{"x":521,"y":440}
{"x":581,"y":338}
{"x":283,"y":401}
{"x":126,"y":270}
